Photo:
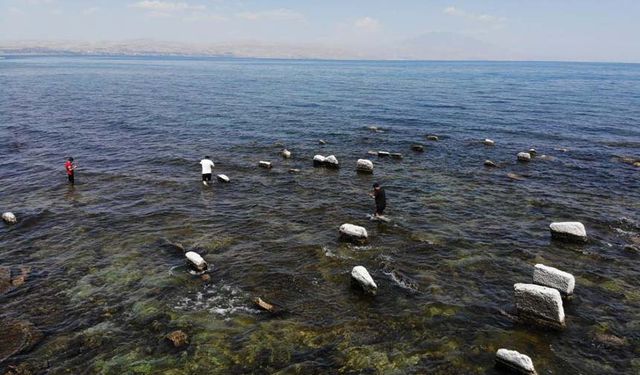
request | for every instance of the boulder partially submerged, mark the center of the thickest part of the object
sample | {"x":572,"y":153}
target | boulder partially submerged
{"x":432,"y":137}
{"x":364,"y":166}
{"x":331,"y":162}
{"x":524,"y":156}
{"x":383,"y":154}
{"x":417,"y":148}
{"x":265,"y":164}
{"x":17,"y":336}
{"x":223,"y":178}
{"x":285,"y":153}
{"x":489,"y":163}
{"x":396,"y":155}
{"x":353,"y":233}
{"x":361,"y":277}
{"x":9,"y":218}
{"x":539,"y":305}
{"x":515,"y":362}
{"x":196,"y":261}
{"x":322,"y":142}
{"x":563,"y":282}
{"x":177,"y":338}
{"x":572,"y":231}
{"x":318,"y":161}
{"x":489,"y":142}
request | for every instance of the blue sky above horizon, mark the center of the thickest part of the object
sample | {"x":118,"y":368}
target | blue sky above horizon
{"x":587,"y":30}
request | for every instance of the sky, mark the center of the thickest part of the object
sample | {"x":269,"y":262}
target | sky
{"x":582,"y":30}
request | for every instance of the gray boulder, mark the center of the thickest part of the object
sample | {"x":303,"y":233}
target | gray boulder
{"x":353,"y":233}
{"x":364,"y":166}
{"x":318,"y":160}
{"x":489,"y":142}
{"x":265,"y":164}
{"x":331,"y":162}
{"x":361,"y":277}
{"x":572,"y":231}
{"x":9,"y":218}
{"x":515,"y":362}
{"x":524,"y":156}
{"x":285,"y":153}
{"x":562,"y":281}
{"x":539,"y":305}
{"x":196,"y":261}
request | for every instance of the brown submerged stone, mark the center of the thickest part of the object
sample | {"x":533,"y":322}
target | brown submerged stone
{"x":17,"y":336}
{"x":178,"y":338}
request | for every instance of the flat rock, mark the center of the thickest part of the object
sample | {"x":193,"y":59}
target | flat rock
{"x":524,"y":156}
{"x":515,"y":361}
{"x":562,"y":281}
{"x":489,"y":163}
{"x":361,"y":276}
{"x":196,"y":260}
{"x":9,"y":218}
{"x":571,"y":231}
{"x":353,"y":233}
{"x":539,"y":305}
{"x":364,"y":165}
{"x":264,"y":164}
{"x":223,"y":178}
{"x":17,"y":336}
{"x":178,"y":338}
{"x":417,"y":148}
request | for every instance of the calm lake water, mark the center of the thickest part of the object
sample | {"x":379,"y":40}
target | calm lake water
{"x":104,"y":285}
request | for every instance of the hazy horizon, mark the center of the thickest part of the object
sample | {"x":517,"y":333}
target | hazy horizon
{"x":589,"y":31}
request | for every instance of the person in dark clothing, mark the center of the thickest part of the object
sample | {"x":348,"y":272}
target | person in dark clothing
{"x":381,"y":199}
{"x":70,"y":168}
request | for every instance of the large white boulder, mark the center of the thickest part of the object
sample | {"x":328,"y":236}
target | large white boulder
{"x":353,"y":233}
{"x":331,"y":162}
{"x":264,"y":164}
{"x":514,"y":361}
{"x":196,"y":260}
{"x":564,"y":282}
{"x":524,"y":156}
{"x":223,"y":178}
{"x":318,"y":160}
{"x":286,"y":153}
{"x":539,"y":304}
{"x":9,"y":218}
{"x":361,"y":276}
{"x":364,"y":165}
{"x":568,"y":231}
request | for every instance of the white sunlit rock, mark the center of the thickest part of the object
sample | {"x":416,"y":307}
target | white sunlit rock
{"x":9,"y":218}
{"x":433,"y":138}
{"x":515,"y":361}
{"x":554,"y":278}
{"x":286,"y":153}
{"x":540,"y":305}
{"x":318,"y":160}
{"x":264,"y":164}
{"x":361,"y":276}
{"x":196,"y":260}
{"x":223,"y":178}
{"x":489,"y":142}
{"x":396,"y":155}
{"x":364,"y":165}
{"x":524,"y":156}
{"x":331,"y":162}
{"x":417,"y":148}
{"x":383,"y":154}
{"x":568,"y":231}
{"x":353,"y":233}
{"x":489,"y":163}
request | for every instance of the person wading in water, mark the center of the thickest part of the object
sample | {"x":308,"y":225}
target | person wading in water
{"x":70,"y":168}
{"x":381,"y":199}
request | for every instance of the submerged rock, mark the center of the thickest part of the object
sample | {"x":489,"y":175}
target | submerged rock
{"x":372,"y":153}
{"x":433,"y":137}
{"x":488,"y":142}
{"x":396,"y":155}
{"x":294,"y":170}
{"x":374,"y":128}
{"x":364,"y":166}
{"x":322,"y":142}
{"x":562,"y":281}
{"x":353,"y":233}
{"x":417,"y":148}
{"x":383,"y":154}
{"x":264,"y":164}
{"x":533,"y":152}
{"x":9,"y":218}
{"x":489,"y":163}
{"x":264,"y":305}
{"x":636,"y":164}
{"x":516,"y":177}
{"x":286,"y":153}
{"x":561,"y":149}
{"x":331,"y":162}
{"x":361,"y":276}
{"x":571,"y":231}
{"x":196,"y":261}
{"x":540,"y":305}
{"x":223,"y":178}
{"x":524,"y":156}
{"x":514,"y":361}
{"x":5,"y":279}
{"x":178,"y":338}
{"x":17,"y":336}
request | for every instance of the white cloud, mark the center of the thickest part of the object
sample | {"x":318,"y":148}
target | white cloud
{"x":90,"y":11}
{"x":367,"y":24}
{"x":281,"y":14}
{"x":486,"y":18}
{"x":165,"y":6}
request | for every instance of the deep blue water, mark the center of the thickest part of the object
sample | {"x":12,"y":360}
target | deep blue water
{"x":103,"y":288}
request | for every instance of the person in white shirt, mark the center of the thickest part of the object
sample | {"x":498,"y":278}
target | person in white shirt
{"x":206,"y":164}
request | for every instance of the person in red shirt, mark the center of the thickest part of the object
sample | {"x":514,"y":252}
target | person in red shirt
{"x":70,"y":167}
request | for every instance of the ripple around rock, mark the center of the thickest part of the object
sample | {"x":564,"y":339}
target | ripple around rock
{"x":17,"y":336}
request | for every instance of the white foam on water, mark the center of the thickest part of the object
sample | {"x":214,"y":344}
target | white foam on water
{"x":222,"y":300}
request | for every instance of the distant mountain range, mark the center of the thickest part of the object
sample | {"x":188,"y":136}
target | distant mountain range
{"x":431,"y":46}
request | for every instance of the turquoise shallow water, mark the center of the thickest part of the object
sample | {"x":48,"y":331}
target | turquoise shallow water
{"x":104,"y":285}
